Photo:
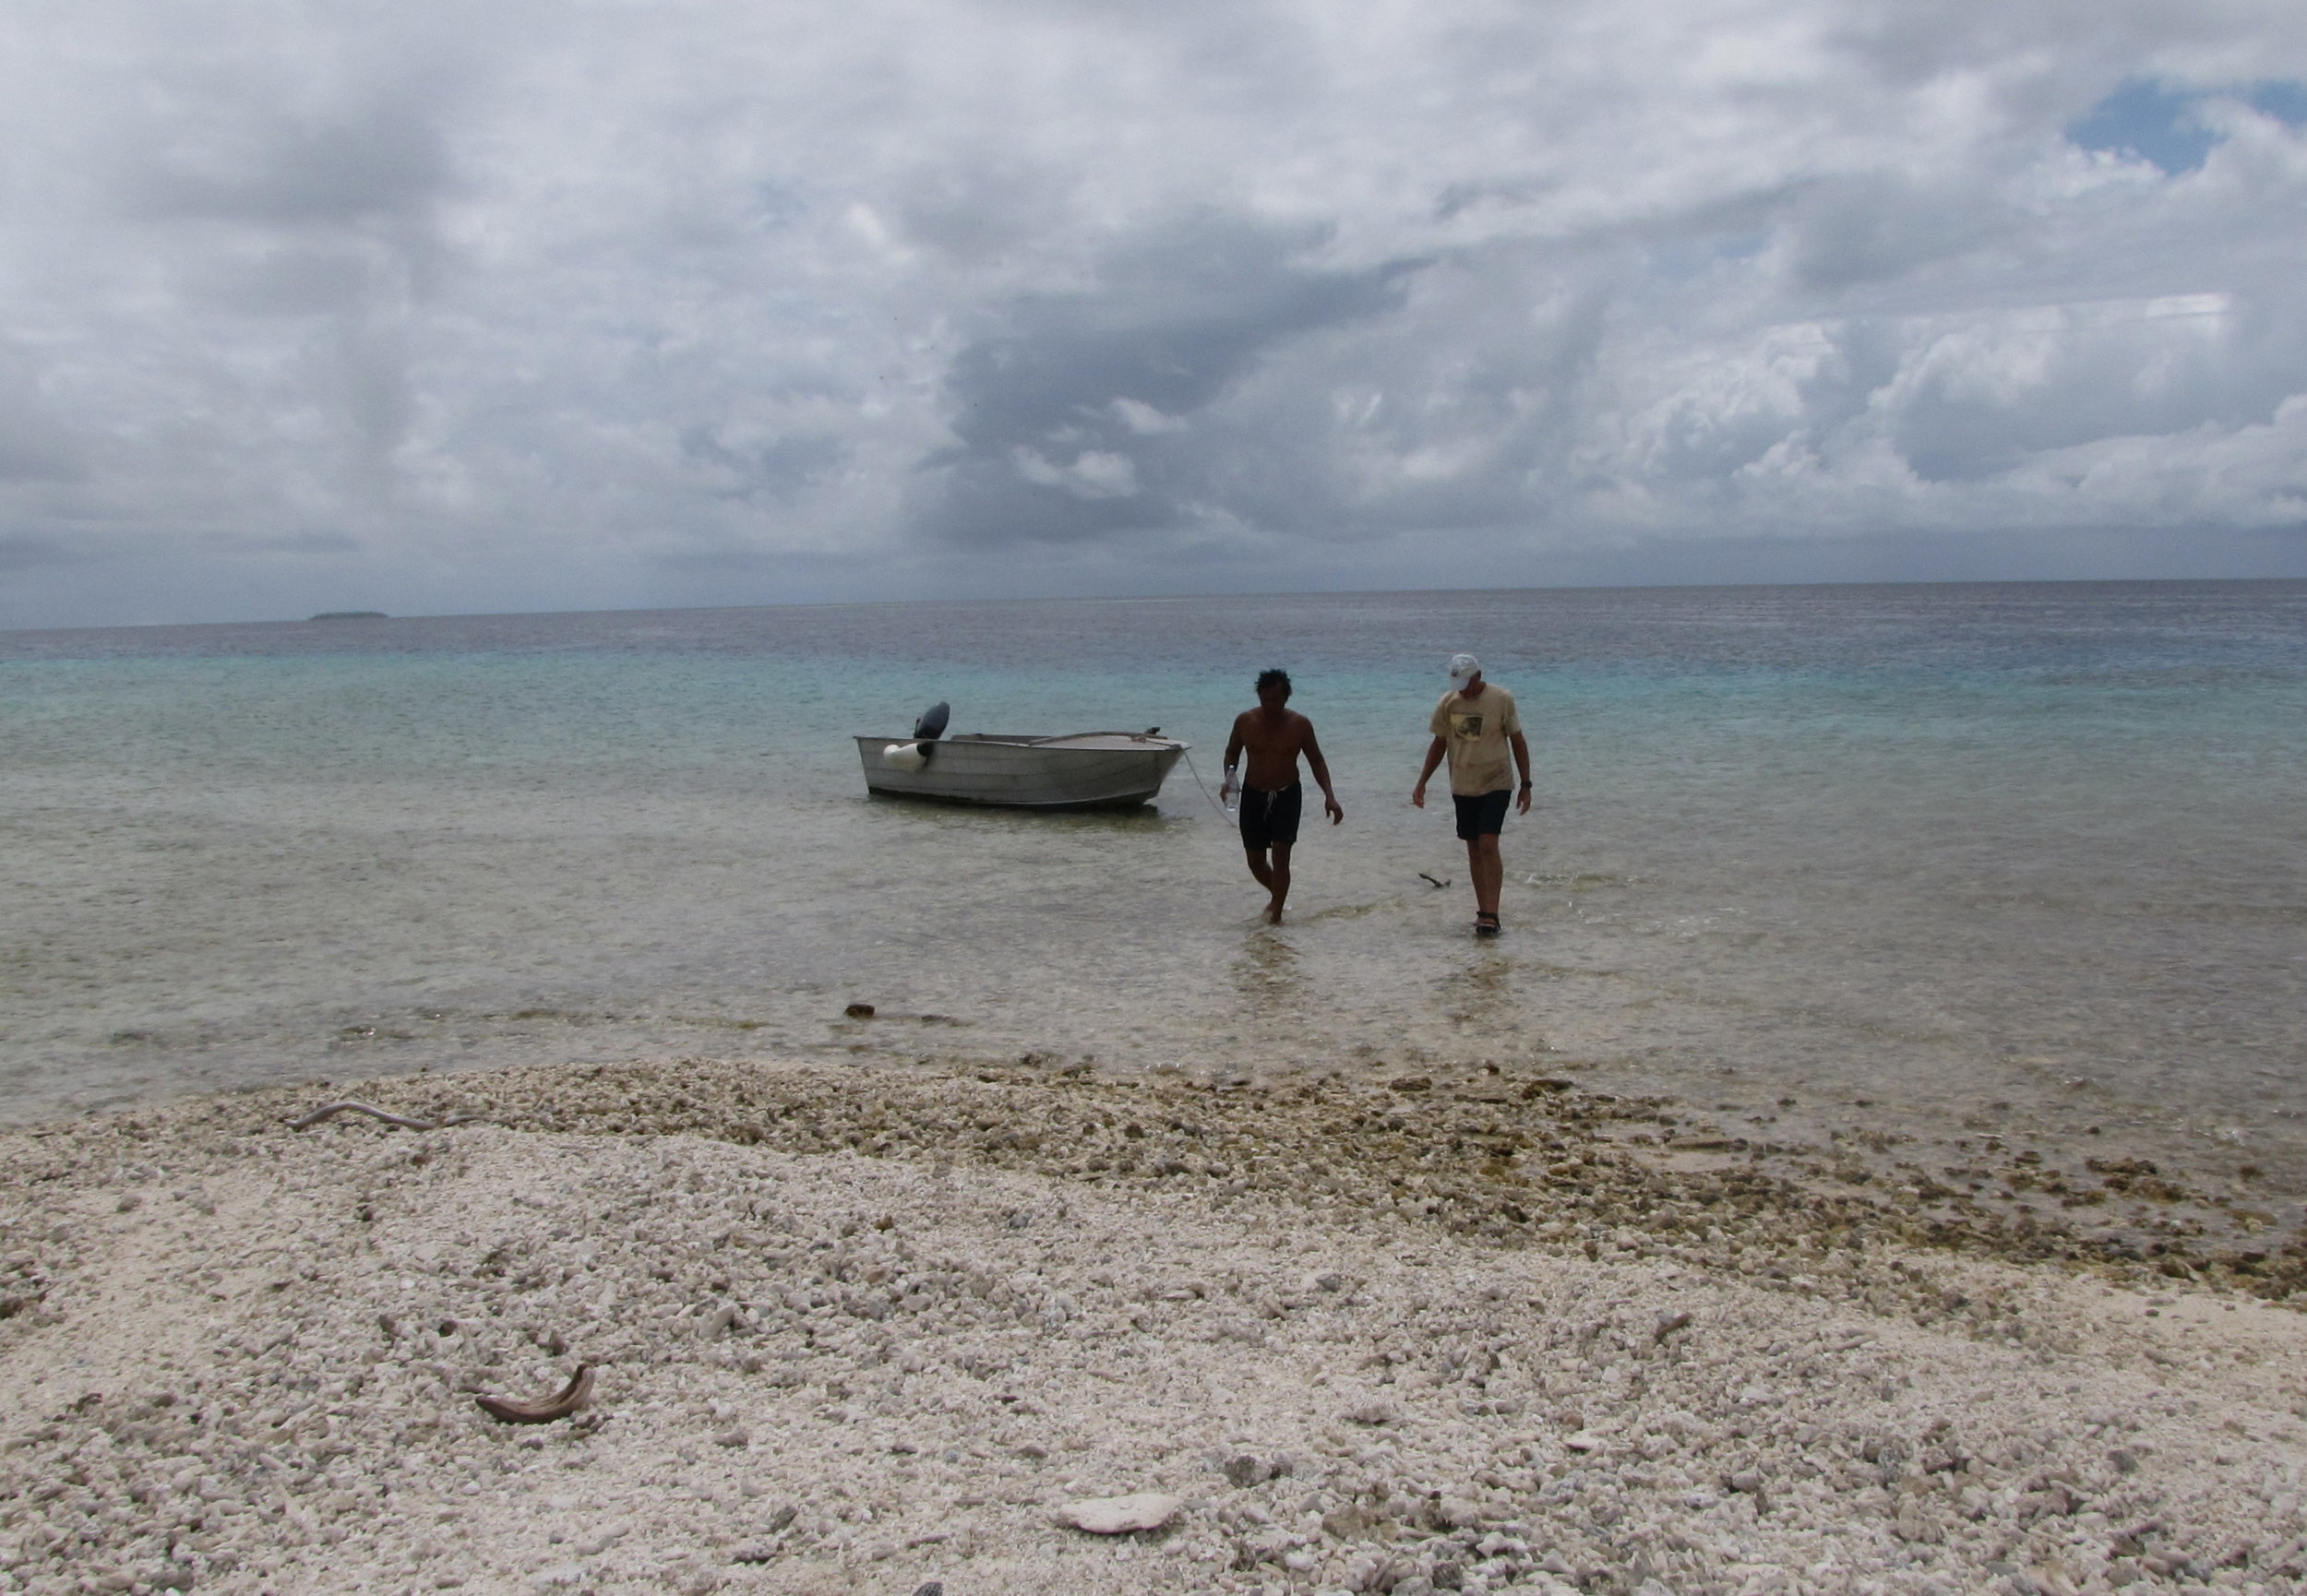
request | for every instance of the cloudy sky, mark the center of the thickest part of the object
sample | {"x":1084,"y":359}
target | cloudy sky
{"x":438,"y":307}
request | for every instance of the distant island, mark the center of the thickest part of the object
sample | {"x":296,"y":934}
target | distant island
{"x":351,"y":615}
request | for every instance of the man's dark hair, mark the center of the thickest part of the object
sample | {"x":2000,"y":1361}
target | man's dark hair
{"x":1277,"y":677}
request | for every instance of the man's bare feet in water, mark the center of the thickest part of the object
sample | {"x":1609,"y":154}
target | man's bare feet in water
{"x":1272,"y":873}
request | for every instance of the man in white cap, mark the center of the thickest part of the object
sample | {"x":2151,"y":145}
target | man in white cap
{"x":1475,"y":726}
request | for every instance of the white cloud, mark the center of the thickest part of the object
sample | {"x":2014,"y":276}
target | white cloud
{"x":570,"y":304}
{"x":1092,"y":475}
{"x":1144,"y":420}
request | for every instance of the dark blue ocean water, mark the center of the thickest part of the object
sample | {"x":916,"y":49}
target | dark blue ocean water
{"x":1936,"y":848}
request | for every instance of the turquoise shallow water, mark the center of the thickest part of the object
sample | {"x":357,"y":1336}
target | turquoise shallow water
{"x":1934,"y":849}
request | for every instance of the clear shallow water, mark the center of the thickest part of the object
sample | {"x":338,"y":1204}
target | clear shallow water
{"x":1938,"y":848}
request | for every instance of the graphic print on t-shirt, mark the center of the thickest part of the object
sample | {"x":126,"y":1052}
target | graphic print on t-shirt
{"x":1465,"y":727}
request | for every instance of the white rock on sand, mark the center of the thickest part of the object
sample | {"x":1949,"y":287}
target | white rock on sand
{"x":262,"y":1377}
{"x":1120,"y":1515}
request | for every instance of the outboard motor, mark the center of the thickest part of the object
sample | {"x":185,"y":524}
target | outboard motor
{"x":931,"y":726}
{"x":914,"y":756}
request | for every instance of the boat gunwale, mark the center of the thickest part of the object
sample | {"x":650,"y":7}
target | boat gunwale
{"x":1147,"y":742}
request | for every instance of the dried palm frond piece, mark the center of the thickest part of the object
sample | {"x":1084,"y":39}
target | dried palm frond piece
{"x":573,"y":1396}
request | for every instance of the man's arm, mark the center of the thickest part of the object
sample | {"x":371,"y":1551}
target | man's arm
{"x":1321,"y":767}
{"x":1233,"y":758}
{"x":1522,"y":758}
{"x":1433,"y":761}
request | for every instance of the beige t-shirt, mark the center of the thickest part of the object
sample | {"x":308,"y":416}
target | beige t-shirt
{"x":1481,"y":760}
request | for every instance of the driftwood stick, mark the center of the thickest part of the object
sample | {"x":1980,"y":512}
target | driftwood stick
{"x":333,"y":1110}
{"x":573,"y":1396}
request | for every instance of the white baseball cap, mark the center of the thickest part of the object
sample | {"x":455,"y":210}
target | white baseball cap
{"x":1463,"y":668}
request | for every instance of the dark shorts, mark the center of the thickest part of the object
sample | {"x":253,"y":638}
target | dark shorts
{"x":1270,"y":819}
{"x":1484,"y":816}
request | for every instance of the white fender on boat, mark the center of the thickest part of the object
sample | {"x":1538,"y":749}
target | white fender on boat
{"x":905,"y":756}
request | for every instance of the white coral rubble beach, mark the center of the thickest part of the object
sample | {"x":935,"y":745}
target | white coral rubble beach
{"x":247,"y":1358}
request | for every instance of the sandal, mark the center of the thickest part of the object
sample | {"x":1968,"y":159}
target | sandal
{"x":1487,"y":925}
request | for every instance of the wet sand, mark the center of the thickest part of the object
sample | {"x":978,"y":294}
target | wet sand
{"x":866,"y":1329}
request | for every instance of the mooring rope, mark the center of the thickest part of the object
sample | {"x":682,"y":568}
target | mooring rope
{"x":1205,"y":790}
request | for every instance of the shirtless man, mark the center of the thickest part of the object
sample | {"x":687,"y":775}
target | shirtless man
{"x":1271,"y":795}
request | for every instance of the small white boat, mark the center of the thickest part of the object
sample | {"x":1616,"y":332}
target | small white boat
{"x":1084,"y":770}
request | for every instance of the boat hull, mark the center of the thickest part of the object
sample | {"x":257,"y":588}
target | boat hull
{"x":1090,"y":770}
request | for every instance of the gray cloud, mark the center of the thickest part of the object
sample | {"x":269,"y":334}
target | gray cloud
{"x":348,"y":165}
{"x":19,"y":552}
{"x":1866,"y":229}
{"x":34,"y":445}
{"x":1078,"y":419}
{"x":437,"y":309}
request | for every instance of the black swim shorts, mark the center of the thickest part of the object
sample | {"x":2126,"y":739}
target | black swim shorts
{"x":1484,"y":816}
{"x":1270,"y":819}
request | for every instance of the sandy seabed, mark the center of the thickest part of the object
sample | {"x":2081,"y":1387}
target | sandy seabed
{"x":863,"y":1330}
